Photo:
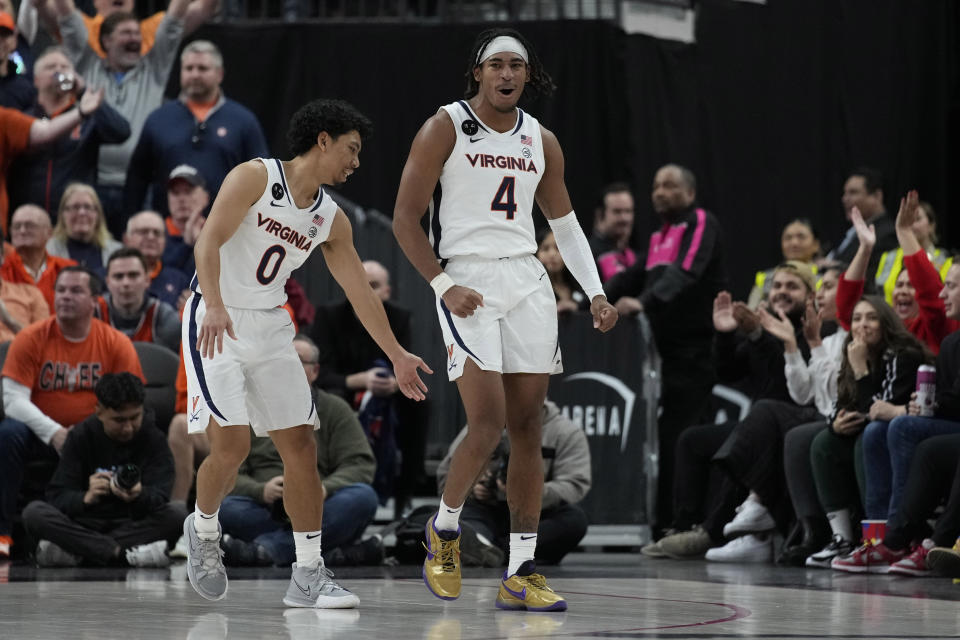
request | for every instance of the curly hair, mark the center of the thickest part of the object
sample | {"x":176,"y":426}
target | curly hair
{"x":118,"y":390}
{"x":894,"y":338}
{"x":541,"y":84}
{"x":336,"y":117}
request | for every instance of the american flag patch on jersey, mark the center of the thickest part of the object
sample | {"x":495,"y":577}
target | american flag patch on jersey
{"x":526,"y":140}
{"x":318,"y":220}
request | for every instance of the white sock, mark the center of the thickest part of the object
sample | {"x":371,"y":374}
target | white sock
{"x":206,"y":524}
{"x":448,"y":518}
{"x":308,"y":548}
{"x":522,"y":548}
{"x":840,"y":524}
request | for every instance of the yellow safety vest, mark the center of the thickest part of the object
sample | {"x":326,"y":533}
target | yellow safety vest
{"x":891,"y":263}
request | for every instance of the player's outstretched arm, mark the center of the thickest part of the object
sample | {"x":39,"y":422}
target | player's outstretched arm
{"x":346,"y":268}
{"x":428,"y":153}
{"x":241,"y":188}
{"x":555,"y":203}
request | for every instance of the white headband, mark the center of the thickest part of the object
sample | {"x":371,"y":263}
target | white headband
{"x":503,"y":44}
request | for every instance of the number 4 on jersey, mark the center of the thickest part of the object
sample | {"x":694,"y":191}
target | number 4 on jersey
{"x":504,"y":200}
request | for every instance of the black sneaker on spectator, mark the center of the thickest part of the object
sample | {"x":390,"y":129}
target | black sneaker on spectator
{"x":237,"y":553}
{"x":367,"y":553}
{"x":836,"y":547}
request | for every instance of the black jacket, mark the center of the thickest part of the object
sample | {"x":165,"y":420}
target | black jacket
{"x":88,"y":448}
{"x":948,"y":378}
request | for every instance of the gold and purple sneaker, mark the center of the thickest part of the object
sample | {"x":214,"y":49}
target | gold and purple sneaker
{"x":441,"y":567}
{"x":528,"y":591}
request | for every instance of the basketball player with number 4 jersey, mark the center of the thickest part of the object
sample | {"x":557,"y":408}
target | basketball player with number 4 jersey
{"x":242,"y":368}
{"x":477,"y":166}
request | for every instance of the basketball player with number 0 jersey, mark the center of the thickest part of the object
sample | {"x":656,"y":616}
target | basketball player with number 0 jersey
{"x":267,"y":218}
{"x":477,"y":166}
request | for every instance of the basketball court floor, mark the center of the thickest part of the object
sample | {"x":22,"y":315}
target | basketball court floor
{"x":611,"y":595}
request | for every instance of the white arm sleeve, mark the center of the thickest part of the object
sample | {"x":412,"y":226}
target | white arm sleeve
{"x":799,"y":380}
{"x":17,"y":405}
{"x":576,"y":253}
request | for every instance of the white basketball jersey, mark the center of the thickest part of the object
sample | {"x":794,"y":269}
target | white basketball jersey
{"x":483,"y":205}
{"x":274,"y":238}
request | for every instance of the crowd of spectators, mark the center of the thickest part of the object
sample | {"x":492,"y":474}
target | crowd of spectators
{"x":104,"y":188}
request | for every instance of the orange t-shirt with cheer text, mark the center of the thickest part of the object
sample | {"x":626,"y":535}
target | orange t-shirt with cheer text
{"x":61,"y":374}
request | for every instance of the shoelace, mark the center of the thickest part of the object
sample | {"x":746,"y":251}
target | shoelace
{"x":447,"y":554}
{"x":208,"y":560}
{"x":536,"y":580}
{"x":323,"y":578}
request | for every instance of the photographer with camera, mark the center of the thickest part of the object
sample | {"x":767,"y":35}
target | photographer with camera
{"x":566,"y":480}
{"x":108,"y":502}
{"x":40,"y":175}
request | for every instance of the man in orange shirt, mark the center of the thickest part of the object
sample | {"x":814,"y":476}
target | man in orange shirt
{"x":19,"y":132}
{"x":29,"y":262}
{"x":20,"y":304}
{"x":49,"y":375}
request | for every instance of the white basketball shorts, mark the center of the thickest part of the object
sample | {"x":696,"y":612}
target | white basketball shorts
{"x":515,"y":331}
{"x":258,"y":379}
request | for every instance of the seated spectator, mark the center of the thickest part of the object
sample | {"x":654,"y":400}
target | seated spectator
{"x":107,"y":503}
{"x":253,"y":513}
{"x":20,"y":132}
{"x":202,"y":128}
{"x":566,"y":480}
{"x":354,"y":367}
{"x":49,"y":375}
{"x":16,"y":91}
{"x":817,"y":380}
{"x":612,"y":226}
{"x":21,"y":304}
{"x":134,"y":83}
{"x":187,"y":200}
{"x":916,"y":295}
{"x":889,"y":449}
{"x":81,"y":232}
{"x":876,"y":379}
{"x":146,"y":232}
{"x":127,"y":307}
{"x":29,"y":262}
{"x":891,"y":262}
{"x":798,"y":242}
{"x":565,"y":287}
{"x":41,"y":175}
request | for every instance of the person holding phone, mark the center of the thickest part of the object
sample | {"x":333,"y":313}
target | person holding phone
{"x":876,"y":379}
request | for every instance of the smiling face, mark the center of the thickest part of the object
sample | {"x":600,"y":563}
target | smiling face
{"x":788,"y":293}
{"x":905,"y":297}
{"x":342,"y":153}
{"x":865,"y":324}
{"x":501,"y":77}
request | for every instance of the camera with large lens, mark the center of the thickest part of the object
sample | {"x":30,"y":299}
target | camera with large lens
{"x":126,"y":476}
{"x":65,"y":81}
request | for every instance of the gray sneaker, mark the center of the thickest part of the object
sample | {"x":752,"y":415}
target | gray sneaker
{"x":687,"y":544}
{"x":50,"y":555}
{"x":314,"y":587}
{"x":205,"y":563}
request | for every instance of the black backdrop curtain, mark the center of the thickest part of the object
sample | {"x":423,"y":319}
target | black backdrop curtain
{"x":770,"y":108}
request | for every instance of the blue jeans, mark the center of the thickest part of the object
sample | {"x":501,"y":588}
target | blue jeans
{"x":879,"y":474}
{"x":18,"y":446}
{"x":345,"y":516}
{"x":903,"y":436}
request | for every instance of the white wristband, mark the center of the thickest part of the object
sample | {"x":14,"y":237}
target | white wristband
{"x":441,"y":284}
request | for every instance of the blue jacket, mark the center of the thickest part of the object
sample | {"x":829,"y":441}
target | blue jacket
{"x":39,"y":176}
{"x":168,"y":285}
{"x":171,"y":136}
